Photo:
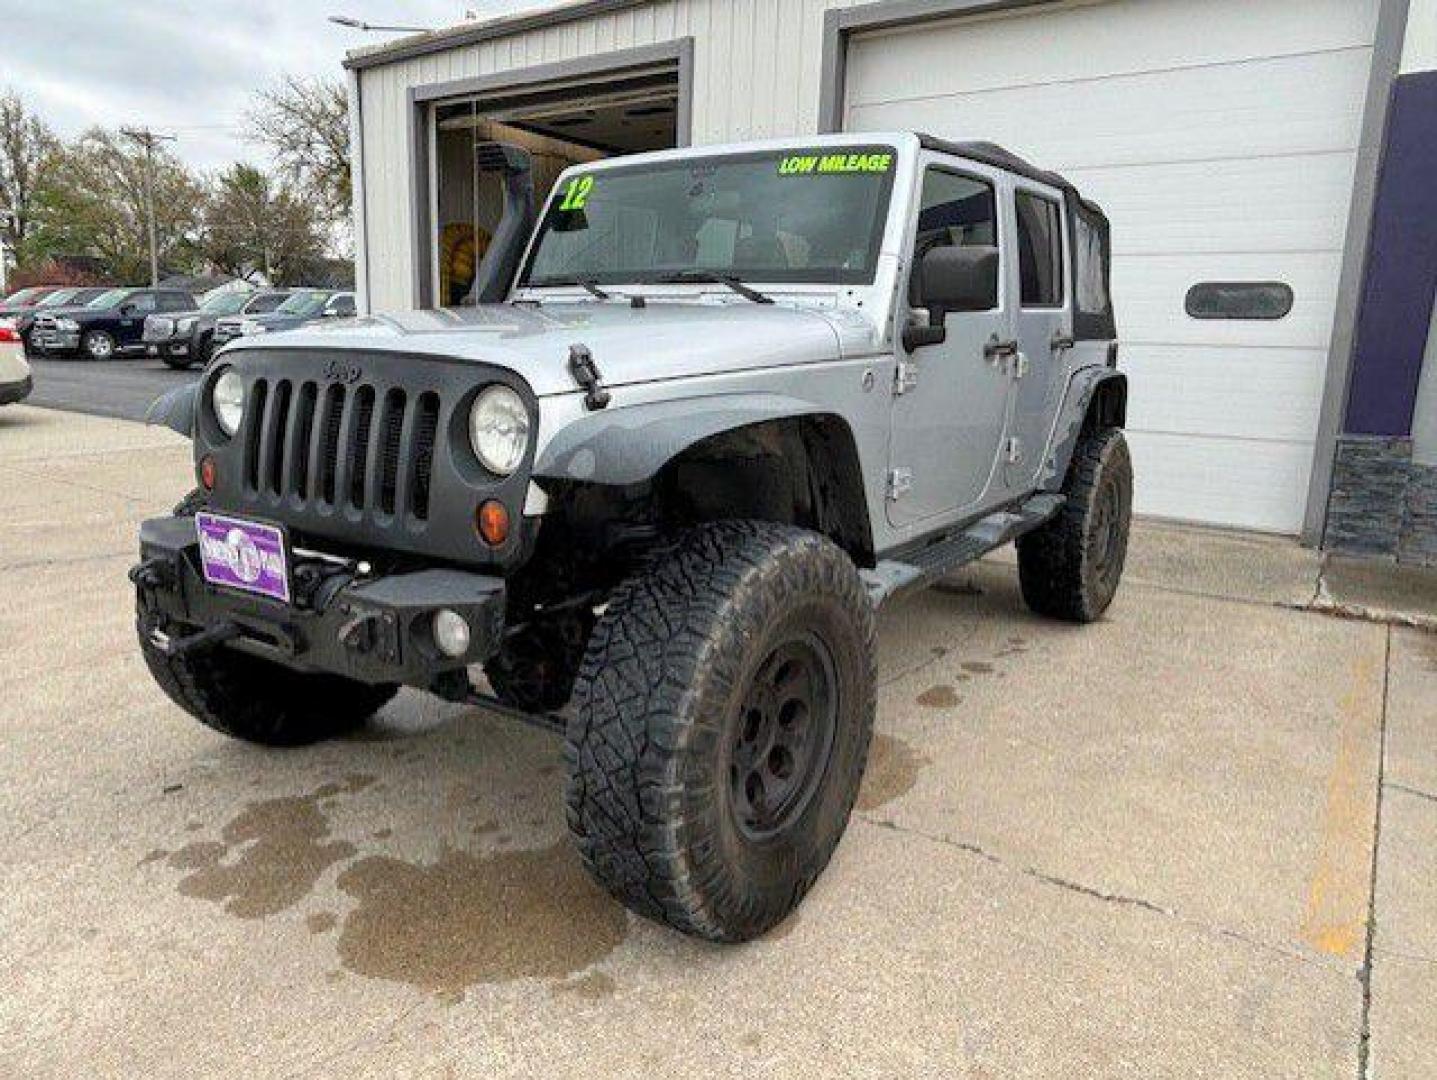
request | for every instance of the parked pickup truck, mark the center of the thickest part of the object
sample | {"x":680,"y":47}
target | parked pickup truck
{"x":185,"y":338}
{"x":108,"y":326}
{"x":703,"y":420}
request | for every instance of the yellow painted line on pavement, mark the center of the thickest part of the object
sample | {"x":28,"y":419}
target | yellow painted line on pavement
{"x":1335,"y":920}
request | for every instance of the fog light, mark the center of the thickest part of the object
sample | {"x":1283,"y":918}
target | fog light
{"x":451,"y":633}
{"x":207,"y":473}
{"x":493,"y":520}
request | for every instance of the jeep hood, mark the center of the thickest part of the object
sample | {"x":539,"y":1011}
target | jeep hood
{"x":664,"y":340}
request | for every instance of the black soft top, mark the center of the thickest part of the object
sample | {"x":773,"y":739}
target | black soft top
{"x":1086,"y":324}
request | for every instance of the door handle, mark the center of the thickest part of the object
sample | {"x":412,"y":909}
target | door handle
{"x":999,"y":350}
{"x":1061,"y":341}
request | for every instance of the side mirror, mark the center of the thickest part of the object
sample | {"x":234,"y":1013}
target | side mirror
{"x":959,"y":279}
{"x":953,"y":279}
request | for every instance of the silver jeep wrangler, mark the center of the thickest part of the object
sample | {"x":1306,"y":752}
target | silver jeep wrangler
{"x":698,"y":424}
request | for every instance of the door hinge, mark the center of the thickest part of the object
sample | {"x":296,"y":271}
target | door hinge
{"x":1013,"y":451}
{"x":900,"y":483}
{"x":905,"y":377}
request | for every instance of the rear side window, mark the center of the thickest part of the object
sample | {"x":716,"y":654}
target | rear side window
{"x":956,"y":211}
{"x":1090,"y":259}
{"x":1040,"y":250}
{"x":143,"y":302}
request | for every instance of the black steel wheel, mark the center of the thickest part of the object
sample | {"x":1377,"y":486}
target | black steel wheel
{"x":783,"y":736}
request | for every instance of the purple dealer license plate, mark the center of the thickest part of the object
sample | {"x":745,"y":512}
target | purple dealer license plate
{"x":243,"y":555}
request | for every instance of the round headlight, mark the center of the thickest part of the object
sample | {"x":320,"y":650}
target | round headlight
{"x":227,"y":397}
{"x":499,"y":429}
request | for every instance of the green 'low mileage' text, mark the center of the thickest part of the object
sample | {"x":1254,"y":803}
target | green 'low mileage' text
{"x":828,"y":164}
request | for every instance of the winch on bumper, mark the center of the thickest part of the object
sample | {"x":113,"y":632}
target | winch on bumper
{"x":371,"y":629}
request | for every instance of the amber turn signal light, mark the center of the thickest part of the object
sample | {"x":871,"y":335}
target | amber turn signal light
{"x":493,"y":520}
{"x":207,"y":473}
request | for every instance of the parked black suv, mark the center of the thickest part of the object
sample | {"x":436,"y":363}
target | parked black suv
{"x":300,"y":307}
{"x":183,"y":339}
{"x":71,"y":296}
{"x":106,"y":327}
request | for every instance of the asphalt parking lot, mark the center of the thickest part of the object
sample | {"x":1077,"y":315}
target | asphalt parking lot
{"x":1198,"y":838}
{"x":118,"y":388}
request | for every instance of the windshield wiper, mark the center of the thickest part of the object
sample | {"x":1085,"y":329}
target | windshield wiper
{"x":699,"y":277}
{"x":592,"y":289}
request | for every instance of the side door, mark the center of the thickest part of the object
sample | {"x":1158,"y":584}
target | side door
{"x":132,"y":314}
{"x":950,"y":399}
{"x":1044,"y":328}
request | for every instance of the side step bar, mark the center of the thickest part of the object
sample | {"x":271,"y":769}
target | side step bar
{"x":920,"y":568}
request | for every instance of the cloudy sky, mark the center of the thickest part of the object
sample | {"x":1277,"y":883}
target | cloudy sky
{"x":188,"y":67}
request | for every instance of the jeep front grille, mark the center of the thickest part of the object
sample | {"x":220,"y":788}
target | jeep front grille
{"x":342,"y":447}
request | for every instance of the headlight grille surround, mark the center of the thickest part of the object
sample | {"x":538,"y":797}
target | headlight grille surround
{"x":418,"y":482}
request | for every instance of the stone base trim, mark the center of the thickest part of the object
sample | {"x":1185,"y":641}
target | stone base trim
{"x":1383,"y":503}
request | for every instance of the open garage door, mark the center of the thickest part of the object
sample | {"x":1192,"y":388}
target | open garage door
{"x":561,"y":122}
{"x":1221,"y":138}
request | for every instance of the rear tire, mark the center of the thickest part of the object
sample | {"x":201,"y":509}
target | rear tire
{"x":722,"y":719}
{"x":249,"y":698}
{"x":1070,"y":568}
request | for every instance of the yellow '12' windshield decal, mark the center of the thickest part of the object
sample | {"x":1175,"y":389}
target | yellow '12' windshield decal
{"x":828,"y":164}
{"x":577,"y":193}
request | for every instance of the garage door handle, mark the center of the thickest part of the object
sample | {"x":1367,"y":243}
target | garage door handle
{"x":1061,"y":342}
{"x":999,"y":350}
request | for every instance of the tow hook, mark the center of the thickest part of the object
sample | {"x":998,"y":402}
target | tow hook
{"x":156,"y":573}
{"x":586,"y":374}
{"x":205,"y":639}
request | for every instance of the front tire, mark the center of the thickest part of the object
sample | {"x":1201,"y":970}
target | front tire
{"x":258,"y":701}
{"x":179,"y":363}
{"x":722,"y":719}
{"x":98,"y":345}
{"x":1070,"y":568}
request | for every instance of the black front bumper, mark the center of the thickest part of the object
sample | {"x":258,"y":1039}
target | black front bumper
{"x":375,"y":630}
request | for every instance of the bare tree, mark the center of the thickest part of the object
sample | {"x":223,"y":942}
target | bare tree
{"x":304,"y":123}
{"x":26,"y":144}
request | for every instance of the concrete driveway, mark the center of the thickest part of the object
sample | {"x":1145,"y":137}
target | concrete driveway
{"x":1142,"y":848}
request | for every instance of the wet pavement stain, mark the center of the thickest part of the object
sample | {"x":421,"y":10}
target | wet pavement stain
{"x":279,"y":848}
{"x":468,"y":919}
{"x":154,"y":856}
{"x":321,"y":922}
{"x":939,"y":697}
{"x":977,"y":667}
{"x":893,"y":768}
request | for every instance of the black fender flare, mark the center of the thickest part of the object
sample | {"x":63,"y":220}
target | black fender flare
{"x":1083,"y":388}
{"x":629,"y":445}
{"x":176,"y":409}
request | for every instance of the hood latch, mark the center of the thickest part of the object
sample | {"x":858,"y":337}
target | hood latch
{"x":586,"y":374}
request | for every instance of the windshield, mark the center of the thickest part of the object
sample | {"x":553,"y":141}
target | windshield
{"x":303,"y":303}
{"x":788,"y":215}
{"x":225,"y":303}
{"x":108,"y":298}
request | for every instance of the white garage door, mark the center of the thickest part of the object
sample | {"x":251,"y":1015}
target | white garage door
{"x":1220,"y":136}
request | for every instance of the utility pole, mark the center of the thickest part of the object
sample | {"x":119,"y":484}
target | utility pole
{"x":147,"y":138}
